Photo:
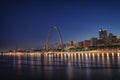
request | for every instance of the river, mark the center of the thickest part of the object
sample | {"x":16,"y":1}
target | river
{"x":102,"y":66}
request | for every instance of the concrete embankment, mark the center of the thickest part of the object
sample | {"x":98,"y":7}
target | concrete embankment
{"x":92,"y":51}
{"x":65,"y":52}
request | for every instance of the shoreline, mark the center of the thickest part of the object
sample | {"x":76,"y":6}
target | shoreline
{"x":64,"y":52}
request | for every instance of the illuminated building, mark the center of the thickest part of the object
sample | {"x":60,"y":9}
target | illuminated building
{"x":102,"y":37}
{"x":70,"y":44}
{"x":112,"y":39}
{"x":93,"y":41}
{"x":100,"y":42}
{"x":103,"y":34}
{"x":103,"y":40}
{"x":80,"y":44}
{"x":86,"y":43}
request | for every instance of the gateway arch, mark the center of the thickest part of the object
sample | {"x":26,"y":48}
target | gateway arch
{"x":46,"y":46}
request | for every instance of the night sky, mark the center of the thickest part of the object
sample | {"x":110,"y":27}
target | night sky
{"x":24,"y":24}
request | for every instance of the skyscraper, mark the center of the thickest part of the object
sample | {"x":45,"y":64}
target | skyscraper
{"x":103,"y":37}
{"x":103,"y":34}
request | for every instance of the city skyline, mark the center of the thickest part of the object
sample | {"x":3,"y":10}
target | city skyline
{"x":75,"y":44}
{"x":25,"y":24}
{"x":104,"y":40}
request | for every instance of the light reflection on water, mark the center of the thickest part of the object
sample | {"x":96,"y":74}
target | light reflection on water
{"x":86,"y":60}
{"x":70,"y":65}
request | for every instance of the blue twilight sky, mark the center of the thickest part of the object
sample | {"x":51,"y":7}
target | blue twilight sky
{"x":25,"y":23}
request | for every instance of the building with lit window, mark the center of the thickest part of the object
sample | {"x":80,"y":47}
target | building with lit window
{"x":103,"y":39}
{"x":70,"y":44}
{"x":93,"y":41}
{"x":102,"y":34}
{"x":86,"y":43}
{"x":80,"y":44}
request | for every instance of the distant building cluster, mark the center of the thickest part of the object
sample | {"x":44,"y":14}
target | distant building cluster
{"x":105,"y":39}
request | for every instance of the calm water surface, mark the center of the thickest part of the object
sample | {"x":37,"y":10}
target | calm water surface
{"x":60,"y":67}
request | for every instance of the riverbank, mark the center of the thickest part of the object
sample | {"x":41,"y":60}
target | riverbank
{"x":63,"y":52}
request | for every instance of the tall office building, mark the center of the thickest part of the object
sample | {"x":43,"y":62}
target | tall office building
{"x":102,"y":34}
{"x":103,"y":37}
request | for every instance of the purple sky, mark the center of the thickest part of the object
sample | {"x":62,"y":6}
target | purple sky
{"x":24,"y":24}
